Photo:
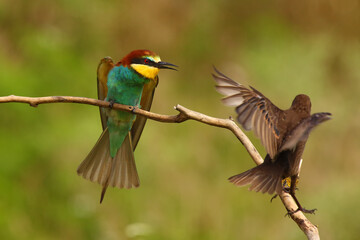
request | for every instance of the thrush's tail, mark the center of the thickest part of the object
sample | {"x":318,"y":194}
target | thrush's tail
{"x":100,"y":167}
{"x":265,"y":178}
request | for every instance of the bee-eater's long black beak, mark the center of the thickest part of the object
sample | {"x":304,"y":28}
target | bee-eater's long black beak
{"x":165,"y":65}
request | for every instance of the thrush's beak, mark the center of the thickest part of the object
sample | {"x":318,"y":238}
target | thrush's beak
{"x":326,"y":116}
{"x":321,"y":117}
{"x":166,"y":65}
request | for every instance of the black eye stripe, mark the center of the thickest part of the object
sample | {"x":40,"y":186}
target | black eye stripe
{"x":144,"y":61}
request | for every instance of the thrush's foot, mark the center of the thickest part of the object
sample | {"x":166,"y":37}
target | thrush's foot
{"x":311,"y":211}
{"x":273,"y":197}
{"x":287,"y":190}
{"x":304,"y":210}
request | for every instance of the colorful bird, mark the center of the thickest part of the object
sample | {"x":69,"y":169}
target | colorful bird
{"x":283,"y":133}
{"x":131,"y":81}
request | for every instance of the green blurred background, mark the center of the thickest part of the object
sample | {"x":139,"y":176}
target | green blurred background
{"x":282,"y":48}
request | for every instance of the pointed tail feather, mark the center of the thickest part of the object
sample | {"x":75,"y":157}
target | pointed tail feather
{"x":265,"y":178}
{"x":119,"y":171}
{"x":124,"y":173}
{"x":96,"y":166}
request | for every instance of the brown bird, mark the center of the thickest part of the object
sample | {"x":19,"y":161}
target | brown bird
{"x":283,"y":133}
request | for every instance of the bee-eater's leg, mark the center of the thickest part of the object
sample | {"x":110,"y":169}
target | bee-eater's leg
{"x":111,"y":104}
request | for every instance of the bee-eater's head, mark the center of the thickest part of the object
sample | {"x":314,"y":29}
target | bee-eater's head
{"x":146,"y":63}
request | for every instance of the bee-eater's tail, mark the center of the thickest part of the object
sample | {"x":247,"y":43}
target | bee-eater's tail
{"x":100,"y":167}
{"x":265,"y":178}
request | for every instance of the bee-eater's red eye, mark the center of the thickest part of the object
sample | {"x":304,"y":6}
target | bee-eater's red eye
{"x":146,"y":61}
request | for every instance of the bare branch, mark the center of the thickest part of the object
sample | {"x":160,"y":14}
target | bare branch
{"x":223,"y":123}
{"x":304,"y":224}
{"x":184,"y":114}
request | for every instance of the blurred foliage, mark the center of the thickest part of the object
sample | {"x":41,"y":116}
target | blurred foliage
{"x":281,"y":48}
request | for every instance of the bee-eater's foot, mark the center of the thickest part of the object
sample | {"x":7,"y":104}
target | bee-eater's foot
{"x":111,"y":104}
{"x":311,"y":211}
{"x":133,"y":109}
{"x":273,"y":197}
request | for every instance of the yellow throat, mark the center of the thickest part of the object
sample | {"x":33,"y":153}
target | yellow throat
{"x":145,"y":70}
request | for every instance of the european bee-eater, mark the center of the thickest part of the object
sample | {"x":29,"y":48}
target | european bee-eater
{"x":131,"y":81}
{"x":283,"y":133}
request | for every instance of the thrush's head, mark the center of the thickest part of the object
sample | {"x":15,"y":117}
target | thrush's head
{"x":146,"y":63}
{"x":301,"y":103}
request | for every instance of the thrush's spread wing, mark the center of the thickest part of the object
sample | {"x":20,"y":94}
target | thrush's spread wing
{"x":105,"y":65}
{"x":255,"y":111}
{"x":145,"y":103}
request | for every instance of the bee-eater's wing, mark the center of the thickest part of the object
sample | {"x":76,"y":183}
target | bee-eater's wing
{"x":255,"y":111}
{"x":100,"y":167}
{"x":105,"y":65}
{"x":145,"y":103}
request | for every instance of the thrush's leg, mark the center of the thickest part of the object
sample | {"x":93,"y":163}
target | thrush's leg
{"x":292,"y":193}
{"x":285,"y":187}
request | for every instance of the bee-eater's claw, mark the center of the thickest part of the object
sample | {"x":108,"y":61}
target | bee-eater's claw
{"x":111,"y":104}
{"x":133,"y":109}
